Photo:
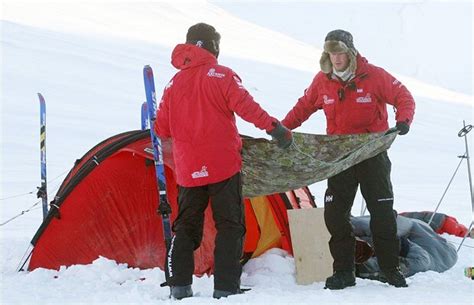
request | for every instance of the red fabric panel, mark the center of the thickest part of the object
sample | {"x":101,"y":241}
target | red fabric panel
{"x":112,"y":213}
{"x":292,"y":199}
{"x":281,"y":219}
{"x":305,"y":201}
{"x":109,"y":213}
{"x":91,"y":153}
{"x":253,"y":231}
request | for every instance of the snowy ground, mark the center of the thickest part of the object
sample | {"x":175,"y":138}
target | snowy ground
{"x":87,"y":59}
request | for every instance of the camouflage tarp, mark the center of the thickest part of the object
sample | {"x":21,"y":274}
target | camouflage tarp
{"x":268,"y":169}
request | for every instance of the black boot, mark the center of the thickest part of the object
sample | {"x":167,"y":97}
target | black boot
{"x":341,"y":280}
{"x":394,"y":277}
{"x":224,"y":294}
{"x":181,"y":292}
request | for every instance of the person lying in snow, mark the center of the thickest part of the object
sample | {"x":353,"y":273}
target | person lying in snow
{"x":422,"y":249}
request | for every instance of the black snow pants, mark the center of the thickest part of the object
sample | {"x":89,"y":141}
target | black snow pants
{"x":373,"y":176}
{"x":228,"y":212}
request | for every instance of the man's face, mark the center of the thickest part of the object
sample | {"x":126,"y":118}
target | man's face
{"x":340,"y":61}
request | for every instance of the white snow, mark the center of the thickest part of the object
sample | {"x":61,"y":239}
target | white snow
{"x":86,"y":58}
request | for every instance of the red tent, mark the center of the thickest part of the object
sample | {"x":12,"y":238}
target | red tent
{"x":106,"y":206}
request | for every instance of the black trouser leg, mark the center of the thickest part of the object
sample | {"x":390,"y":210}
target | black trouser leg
{"x":188,"y":228}
{"x":376,"y":187}
{"x":228,"y":213}
{"x":338,"y":202}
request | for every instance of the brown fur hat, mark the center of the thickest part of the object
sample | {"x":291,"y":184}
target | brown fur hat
{"x":338,"y":41}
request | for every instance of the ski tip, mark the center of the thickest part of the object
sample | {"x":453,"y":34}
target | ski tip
{"x":41,"y":99}
{"x":148,"y":72}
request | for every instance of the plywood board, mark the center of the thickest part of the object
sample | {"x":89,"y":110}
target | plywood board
{"x":310,"y":237}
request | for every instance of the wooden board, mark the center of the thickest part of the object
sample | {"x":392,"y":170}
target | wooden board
{"x":310,"y":237}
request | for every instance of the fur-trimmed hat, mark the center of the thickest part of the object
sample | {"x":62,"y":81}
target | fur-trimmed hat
{"x":338,"y":41}
{"x":204,"y":36}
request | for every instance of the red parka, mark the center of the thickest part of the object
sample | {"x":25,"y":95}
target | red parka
{"x":197,"y":111}
{"x":358,"y":106}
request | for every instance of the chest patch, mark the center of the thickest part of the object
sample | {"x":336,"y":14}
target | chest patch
{"x":327,"y":100}
{"x":364,"y":99}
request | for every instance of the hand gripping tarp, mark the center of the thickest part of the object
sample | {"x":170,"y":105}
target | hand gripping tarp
{"x":268,"y":169}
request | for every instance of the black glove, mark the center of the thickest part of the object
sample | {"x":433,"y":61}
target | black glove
{"x":403,"y":128}
{"x":282,"y":135}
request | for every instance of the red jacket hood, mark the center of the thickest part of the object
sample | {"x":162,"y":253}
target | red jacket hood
{"x":186,"y":56}
{"x":362,"y":64}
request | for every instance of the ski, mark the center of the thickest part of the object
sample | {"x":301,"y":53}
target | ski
{"x":163,"y":206}
{"x":144,"y":116}
{"x":42,"y":190}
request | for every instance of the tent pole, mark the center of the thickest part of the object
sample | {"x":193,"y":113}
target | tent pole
{"x":446,"y":190}
{"x":465,"y":236}
{"x":463,"y":133}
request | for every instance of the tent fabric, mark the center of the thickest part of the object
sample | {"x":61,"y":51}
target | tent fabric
{"x":422,"y":248}
{"x":84,"y":166}
{"x":270,"y":236}
{"x":107,"y":205}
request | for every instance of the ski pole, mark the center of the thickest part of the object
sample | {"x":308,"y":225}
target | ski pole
{"x":465,"y":236}
{"x":463,"y":133}
{"x":446,"y":189}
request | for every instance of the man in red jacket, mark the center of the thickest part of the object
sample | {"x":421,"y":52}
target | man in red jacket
{"x":354,"y":95}
{"x":197,"y":111}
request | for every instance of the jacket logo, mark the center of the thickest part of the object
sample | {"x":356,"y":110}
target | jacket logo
{"x":169,"y":85}
{"x":360,"y":90}
{"x":212,"y":73}
{"x":200,"y":174}
{"x":329,"y":198}
{"x":327,"y":100}
{"x":396,"y":82}
{"x":364,"y":99}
